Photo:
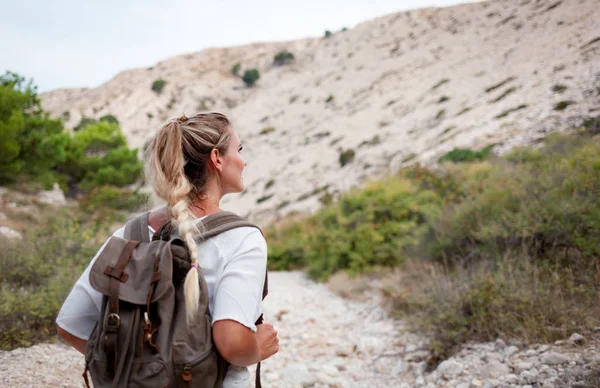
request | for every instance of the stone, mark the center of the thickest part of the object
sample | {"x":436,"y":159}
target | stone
{"x":54,"y":197}
{"x":345,"y":350}
{"x":297,"y":374}
{"x":527,"y":377}
{"x":511,"y":379}
{"x":419,"y":355}
{"x":510,"y":351}
{"x":476,"y":383}
{"x":10,"y":233}
{"x":450,"y":369}
{"x":493,"y":370}
{"x":523,"y":366}
{"x":576,"y":339}
{"x":553,"y":358}
{"x":500,"y":344}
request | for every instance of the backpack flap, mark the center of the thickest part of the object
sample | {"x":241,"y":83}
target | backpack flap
{"x":135,"y":278}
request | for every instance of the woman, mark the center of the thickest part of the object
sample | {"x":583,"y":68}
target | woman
{"x":192,"y":163}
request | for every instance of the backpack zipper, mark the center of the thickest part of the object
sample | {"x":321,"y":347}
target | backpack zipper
{"x":186,"y":375}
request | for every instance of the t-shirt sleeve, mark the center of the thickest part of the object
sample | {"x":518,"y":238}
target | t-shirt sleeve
{"x":239,"y":293}
{"x":81,"y":310}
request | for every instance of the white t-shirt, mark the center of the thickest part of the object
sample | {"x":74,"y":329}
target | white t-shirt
{"x":234,"y":265}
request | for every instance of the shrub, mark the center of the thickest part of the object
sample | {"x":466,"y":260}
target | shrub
{"x":250,"y":77}
{"x":466,"y":155}
{"x":114,"y":198}
{"x":283,"y":58}
{"x":329,"y":99}
{"x":158,"y":86}
{"x":109,"y":119}
{"x":84,"y":122}
{"x":266,"y":131}
{"x":328,"y":34}
{"x":562,"y":105}
{"x":236,"y":69}
{"x":346,"y":156}
{"x":38,"y":272}
{"x":558,"y":88}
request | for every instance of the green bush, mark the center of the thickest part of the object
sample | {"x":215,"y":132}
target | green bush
{"x":283,"y":58}
{"x":84,"y":122}
{"x":99,"y":156}
{"x":346,"y":156}
{"x":38,"y":272}
{"x":110,"y":119}
{"x":158,"y":85}
{"x":371,"y":227}
{"x":546,"y":205}
{"x":328,"y":34}
{"x":250,"y":77}
{"x":266,"y":131}
{"x":466,"y":155}
{"x":236,"y":69}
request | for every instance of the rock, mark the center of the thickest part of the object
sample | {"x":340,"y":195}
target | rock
{"x":531,"y":353}
{"x":476,"y":383}
{"x":523,"y":366}
{"x":297,"y":374}
{"x":3,"y":216}
{"x":527,"y":377}
{"x":576,"y":339}
{"x":400,"y":368}
{"x":419,"y":355}
{"x":500,"y":344}
{"x":493,"y":370}
{"x":552,"y":358}
{"x":345,"y":350}
{"x":450,"y":369}
{"x":54,"y":197}
{"x":511,"y":379}
{"x":510,"y":351}
{"x":10,"y":233}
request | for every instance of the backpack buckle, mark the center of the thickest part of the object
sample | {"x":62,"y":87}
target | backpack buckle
{"x":116,"y":323}
{"x":116,"y":273}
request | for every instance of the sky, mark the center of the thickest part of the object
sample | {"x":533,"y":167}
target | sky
{"x":84,"y":43}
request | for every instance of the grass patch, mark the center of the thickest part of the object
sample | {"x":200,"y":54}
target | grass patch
{"x":501,"y":97}
{"x":264,"y":198}
{"x":463,"y":111}
{"x":449,"y":129}
{"x":558,"y":88}
{"x":499,"y":85}
{"x":440,"y":83}
{"x":266,"y":131}
{"x":443,"y":99}
{"x":440,"y":114}
{"x":346,"y":156}
{"x":509,"y":111}
{"x":562,"y":105}
{"x":466,"y":155}
{"x":329,"y":99}
{"x":38,"y":272}
{"x":269,"y":184}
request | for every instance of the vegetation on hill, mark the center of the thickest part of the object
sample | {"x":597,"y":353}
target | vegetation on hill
{"x":94,"y":164}
{"x":505,"y":247}
{"x":37,"y":149}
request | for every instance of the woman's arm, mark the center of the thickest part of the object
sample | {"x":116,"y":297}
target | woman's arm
{"x":70,"y":339}
{"x":240,"y":346}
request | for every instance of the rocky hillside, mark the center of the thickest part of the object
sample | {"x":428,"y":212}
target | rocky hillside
{"x":398,"y":89}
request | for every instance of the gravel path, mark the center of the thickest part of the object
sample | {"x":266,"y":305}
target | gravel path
{"x":328,"y":341}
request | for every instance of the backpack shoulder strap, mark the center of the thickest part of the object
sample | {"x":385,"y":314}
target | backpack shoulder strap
{"x":221,"y":222}
{"x":218,"y":223}
{"x":137,"y":228}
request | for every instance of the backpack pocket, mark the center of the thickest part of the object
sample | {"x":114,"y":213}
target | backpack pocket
{"x":153,"y":373}
{"x":198,"y":373}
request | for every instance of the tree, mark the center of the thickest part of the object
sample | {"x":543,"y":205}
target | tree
{"x":250,"y":77}
{"x":30,"y":142}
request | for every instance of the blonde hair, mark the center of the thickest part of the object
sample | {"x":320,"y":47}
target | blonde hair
{"x":177,"y":161}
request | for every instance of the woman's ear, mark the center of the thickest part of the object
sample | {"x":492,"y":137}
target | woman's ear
{"x":215,"y":160}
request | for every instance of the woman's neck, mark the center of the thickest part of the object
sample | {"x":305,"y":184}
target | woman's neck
{"x":201,"y":208}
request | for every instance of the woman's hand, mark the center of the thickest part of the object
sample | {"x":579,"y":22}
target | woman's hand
{"x":267,"y":340}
